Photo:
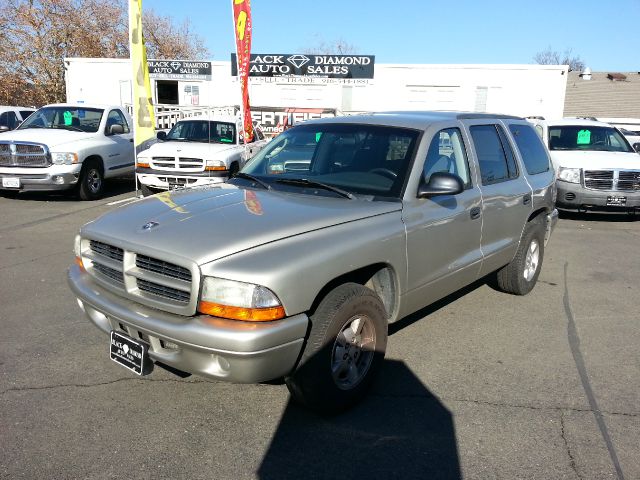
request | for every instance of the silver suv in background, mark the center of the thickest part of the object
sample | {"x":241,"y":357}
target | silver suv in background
{"x":295,"y":267}
{"x":596,"y":167}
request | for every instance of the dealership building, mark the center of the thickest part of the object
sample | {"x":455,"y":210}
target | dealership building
{"x":306,"y":86}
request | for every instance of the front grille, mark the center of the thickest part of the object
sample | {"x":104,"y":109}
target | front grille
{"x":21,"y":154}
{"x":147,"y":280}
{"x":105,"y":250}
{"x":163,"y":268}
{"x":178,"y":163}
{"x":163,"y":291}
{"x":612,"y":180}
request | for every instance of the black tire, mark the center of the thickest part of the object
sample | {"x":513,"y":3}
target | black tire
{"x":339,"y":363}
{"x":91,"y":182}
{"x":520,"y":276}
{"x":146,"y":191}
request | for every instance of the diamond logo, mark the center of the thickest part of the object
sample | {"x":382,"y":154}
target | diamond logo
{"x":175,"y":65}
{"x":298,"y":61}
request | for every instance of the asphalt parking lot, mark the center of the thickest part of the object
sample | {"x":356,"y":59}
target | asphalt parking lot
{"x":483,"y":385}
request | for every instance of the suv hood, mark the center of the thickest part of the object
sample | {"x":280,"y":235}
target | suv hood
{"x":52,"y":138}
{"x":205,"y":224}
{"x":197,"y":149}
{"x":592,"y":160}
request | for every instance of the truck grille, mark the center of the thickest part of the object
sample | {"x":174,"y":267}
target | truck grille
{"x":186,"y":164}
{"x":152,"y":281}
{"x":22,"y":154}
{"x":612,"y":180}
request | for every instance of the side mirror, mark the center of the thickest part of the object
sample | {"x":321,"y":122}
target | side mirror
{"x":636,"y":147}
{"x":4,"y":128}
{"x":161,"y":136}
{"x":116,"y":129}
{"x":440,"y":183}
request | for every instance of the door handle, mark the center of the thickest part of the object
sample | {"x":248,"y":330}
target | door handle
{"x":526,"y":199}
{"x":131,"y":140}
{"x":475,"y":213}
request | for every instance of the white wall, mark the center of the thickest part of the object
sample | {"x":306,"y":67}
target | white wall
{"x":523,"y":90}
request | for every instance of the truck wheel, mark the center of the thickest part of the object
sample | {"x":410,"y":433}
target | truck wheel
{"x":91,"y":183}
{"x":344,"y":351}
{"x":520,"y":276}
{"x":146,"y":191}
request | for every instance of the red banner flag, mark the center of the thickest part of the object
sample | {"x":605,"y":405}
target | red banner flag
{"x":242,"y":22}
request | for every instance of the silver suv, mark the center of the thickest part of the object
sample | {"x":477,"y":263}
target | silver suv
{"x":337,"y":228}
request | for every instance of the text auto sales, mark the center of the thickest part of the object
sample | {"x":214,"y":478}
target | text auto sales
{"x":322,"y":65}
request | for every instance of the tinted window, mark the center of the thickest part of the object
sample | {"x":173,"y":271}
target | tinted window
{"x":531,"y":148}
{"x":25,"y":114}
{"x":508,"y":151}
{"x":587,"y":137}
{"x":361,"y":159}
{"x":491,"y":154}
{"x":9,"y":119}
{"x":117,"y":118}
{"x":203,"y":131}
{"x":447,"y":154}
{"x":66,"y":118}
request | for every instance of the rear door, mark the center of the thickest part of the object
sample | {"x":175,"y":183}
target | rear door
{"x":507,"y":198}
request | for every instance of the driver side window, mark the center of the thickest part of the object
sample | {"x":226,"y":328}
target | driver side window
{"x":447,"y":154}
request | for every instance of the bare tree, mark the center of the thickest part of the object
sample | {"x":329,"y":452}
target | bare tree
{"x":553,"y":57}
{"x":335,"y":47}
{"x":39,"y":34}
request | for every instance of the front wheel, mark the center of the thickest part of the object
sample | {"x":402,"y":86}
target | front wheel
{"x":91,"y":182}
{"x":520,"y":276}
{"x":344,"y":351}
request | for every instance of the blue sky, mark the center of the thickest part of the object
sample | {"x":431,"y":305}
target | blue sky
{"x":605,"y":34}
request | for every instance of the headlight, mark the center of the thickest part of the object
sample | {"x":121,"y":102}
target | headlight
{"x":215,"y":165}
{"x":64,"y":158}
{"x":143,"y":162}
{"x":77,"y":249}
{"x":571,"y":175}
{"x":239,"y":301}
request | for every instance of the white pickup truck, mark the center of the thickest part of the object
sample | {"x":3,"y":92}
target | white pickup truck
{"x":196,"y":152}
{"x":66,"y":147}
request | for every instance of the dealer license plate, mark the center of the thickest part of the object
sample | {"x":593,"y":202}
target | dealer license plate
{"x":614,"y":201}
{"x":129,"y":353}
{"x":9,"y":182}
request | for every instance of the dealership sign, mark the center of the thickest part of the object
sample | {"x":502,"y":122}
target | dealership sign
{"x":179,"y":70}
{"x":328,"y":66}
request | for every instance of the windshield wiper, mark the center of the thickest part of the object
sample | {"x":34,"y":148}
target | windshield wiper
{"x":305,"y":182}
{"x":246,"y":176}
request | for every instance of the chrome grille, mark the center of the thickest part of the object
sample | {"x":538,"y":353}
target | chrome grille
{"x":612,"y":180}
{"x":178,"y":163}
{"x":163,"y":291}
{"x":22,"y":154}
{"x":163,"y":268}
{"x":151,"y":281}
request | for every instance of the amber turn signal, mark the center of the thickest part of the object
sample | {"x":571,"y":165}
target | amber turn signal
{"x":241,"y":313}
{"x":142,"y":165}
{"x":215,"y":169}
{"x":79,"y":263}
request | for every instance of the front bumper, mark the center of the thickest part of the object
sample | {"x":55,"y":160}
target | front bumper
{"x":212,"y":347}
{"x":55,"y":177}
{"x":573,"y":196}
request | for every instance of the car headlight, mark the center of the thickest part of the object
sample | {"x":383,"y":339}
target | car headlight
{"x":239,"y":301}
{"x":64,"y":158}
{"x":571,"y":175}
{"x":215,"y":165}
{"x":143,"y":162}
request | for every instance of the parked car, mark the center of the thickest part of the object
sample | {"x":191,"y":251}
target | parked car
{"x":196,"y":152}
{"x":68,"y":146}
{"x":596,"y":167}
{"x":12,"y":117}
{"x":632,"y":137}
{"x":297,"y":274}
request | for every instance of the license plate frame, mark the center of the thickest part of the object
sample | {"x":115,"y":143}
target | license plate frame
{"x":616,"y":201}
{"x":10,"y":182}
{"x":129,"y":353}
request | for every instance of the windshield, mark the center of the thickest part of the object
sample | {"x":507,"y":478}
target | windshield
{"x":587,"y":137}
{"x":353,"y":159}
{"x":203,"y":131}
{"x":76,"y":119}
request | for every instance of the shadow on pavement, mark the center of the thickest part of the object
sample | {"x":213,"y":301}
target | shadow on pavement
{"x":613,"y":216}
{"x":400,"y":430}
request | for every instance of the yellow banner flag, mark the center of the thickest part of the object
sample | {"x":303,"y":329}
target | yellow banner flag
{"x":143,"y":116}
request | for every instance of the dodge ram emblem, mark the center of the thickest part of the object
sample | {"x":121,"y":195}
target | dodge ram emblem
{"x":150,"y":225}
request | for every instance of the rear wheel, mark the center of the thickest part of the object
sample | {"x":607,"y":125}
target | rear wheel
{"x":520,"y":276}
{"x":344,"y":352}
{"x":91,"y":182}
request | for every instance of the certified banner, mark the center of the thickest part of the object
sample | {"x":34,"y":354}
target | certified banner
{"x":242,"y":23}
{"x":143,"y":117}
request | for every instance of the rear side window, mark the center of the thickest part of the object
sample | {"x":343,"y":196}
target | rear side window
{"x":25,"y":114}
{"x":495,"y":156}
{"x":531,"y":148}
